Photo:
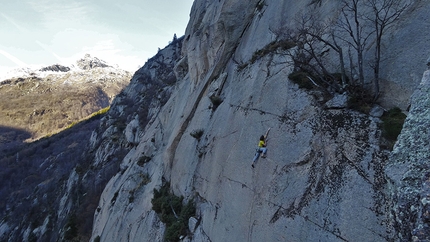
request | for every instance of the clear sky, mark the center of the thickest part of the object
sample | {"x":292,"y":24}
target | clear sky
{"x":120,"y":32}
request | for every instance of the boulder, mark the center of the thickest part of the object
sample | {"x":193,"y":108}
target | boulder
{"x":377,"y":111}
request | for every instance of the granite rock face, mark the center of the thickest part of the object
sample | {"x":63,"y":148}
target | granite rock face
{"x":324,"y":178}
{"x":409,"y":169}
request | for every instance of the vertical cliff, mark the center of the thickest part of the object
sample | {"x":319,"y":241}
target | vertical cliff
{"x":408,"y":169}
{"x":324,"y":178}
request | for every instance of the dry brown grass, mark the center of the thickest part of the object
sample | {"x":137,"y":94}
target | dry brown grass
{"x":42,"y":106}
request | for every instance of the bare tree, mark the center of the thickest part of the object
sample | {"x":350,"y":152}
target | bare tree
{"x":384,"y":13}
{"x":365,"y":20}
{"x":313,"y":39}
{"x":353,"y":23}
{"x":323,"y":31}
{"x":359,"y":27}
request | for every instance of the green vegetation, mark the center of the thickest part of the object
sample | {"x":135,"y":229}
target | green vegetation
{"x":97,"y":238}
{"x":92,"y":116}
{"x":197,"y":134}
{"x":392,"y":123}
{"x":99,"y":113}
{"x":172,"y":212}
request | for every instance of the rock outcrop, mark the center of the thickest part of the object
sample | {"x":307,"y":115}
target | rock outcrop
{"x":56,"y":67}
{"x":408,"y":169}
{"x":89,"y":62}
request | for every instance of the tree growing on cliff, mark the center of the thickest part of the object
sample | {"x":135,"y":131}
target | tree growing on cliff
{"x":365,"y":23}
{"x":360,"y":27}
{"x":357,"y":32}
{"x":384,"y":14}
{"x":314,"y":40}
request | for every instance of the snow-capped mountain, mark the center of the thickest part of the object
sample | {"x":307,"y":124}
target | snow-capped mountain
{"x":87,"y":65}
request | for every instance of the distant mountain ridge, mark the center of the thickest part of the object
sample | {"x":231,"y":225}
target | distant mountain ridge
{"x":45,"y":100}
{"x":86,"y":63}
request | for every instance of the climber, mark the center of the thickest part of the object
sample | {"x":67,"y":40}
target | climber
{"x":261,"y":148}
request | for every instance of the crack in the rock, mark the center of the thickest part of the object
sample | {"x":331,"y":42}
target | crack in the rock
{"x":358,"y":169}
{"x":335,"y":233}
{"x":241,"y":183}
{"x":262,"y":112}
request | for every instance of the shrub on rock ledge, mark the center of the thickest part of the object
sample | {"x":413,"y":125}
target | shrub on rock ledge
{"x":172,"y":212}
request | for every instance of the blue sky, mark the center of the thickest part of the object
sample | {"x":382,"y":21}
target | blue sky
{"x":121,"y":32}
